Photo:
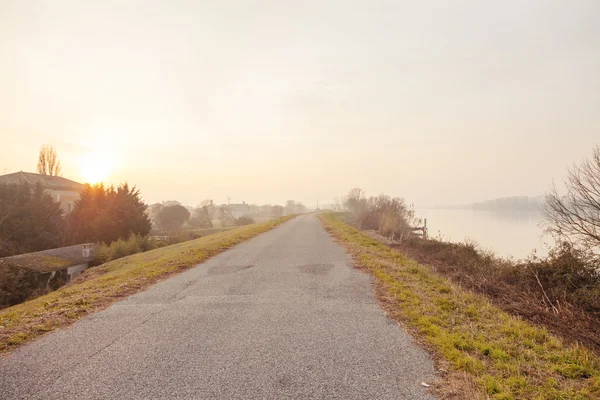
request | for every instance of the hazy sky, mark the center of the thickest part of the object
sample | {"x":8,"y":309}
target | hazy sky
{"x":264,"y":101}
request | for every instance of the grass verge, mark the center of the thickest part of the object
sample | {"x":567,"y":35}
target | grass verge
{"x":560,"y":292}
{"x":99,"y":287}
{"x":498,"y":355}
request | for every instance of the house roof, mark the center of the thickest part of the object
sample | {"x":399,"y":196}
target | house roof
{"x":47,"y":181}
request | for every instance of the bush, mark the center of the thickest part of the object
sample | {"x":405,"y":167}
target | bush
{"x":567,"y":275}
{"x":245,"y":220}
{"x":122,"y":248}
{"x":181,"y":236}
{"x":388,"y":216}
{"x":561,"y":291}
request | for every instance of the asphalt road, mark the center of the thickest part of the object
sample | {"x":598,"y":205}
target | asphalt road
{"x":282,"y":316}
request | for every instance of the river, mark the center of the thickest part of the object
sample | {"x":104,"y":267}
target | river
{"x":506,"y":233}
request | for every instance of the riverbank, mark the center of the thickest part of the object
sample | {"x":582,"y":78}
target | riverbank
{"x":482,"y":351}
{"x":559,"y":292}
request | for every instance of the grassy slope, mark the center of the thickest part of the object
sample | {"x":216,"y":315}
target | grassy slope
{"x":210,"y":231}
{"x":503,"y":356}
{"x":99,"y":287}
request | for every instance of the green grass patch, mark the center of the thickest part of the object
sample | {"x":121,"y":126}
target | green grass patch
{"x":101,"y":286}
{"x":507,"y":358}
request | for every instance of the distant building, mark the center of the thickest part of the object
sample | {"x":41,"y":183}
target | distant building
{"x":238,"y":210}
{"x":62,"y":190}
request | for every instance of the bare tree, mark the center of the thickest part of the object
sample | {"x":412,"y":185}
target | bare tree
{"x":203,"y":215}
{"x":226,"y":216}
{"x":48,"y":162}
{"x":276,"y":211}
{"x":337,"y":203}
{"x":290,"y":206}
{"x":575,"y":217}
{"x":355,"y":201}
{"x":209,"y":210}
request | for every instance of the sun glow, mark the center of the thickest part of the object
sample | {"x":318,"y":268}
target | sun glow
{"x":96,"y":167}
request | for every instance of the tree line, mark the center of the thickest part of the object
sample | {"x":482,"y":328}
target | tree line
{"x":30,"y":219}
{"x":172,"y":215}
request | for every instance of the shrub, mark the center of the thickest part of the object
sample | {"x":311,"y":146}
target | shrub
{"x":245,"y":220}
{"x":567,"y":275}
{"x":388,"y":216}
{"x":122,"y":248}
{"x":181,"y":236}
{"x":561,"y":291}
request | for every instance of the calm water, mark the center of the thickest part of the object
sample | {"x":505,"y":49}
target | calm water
{"x":507,"y":234}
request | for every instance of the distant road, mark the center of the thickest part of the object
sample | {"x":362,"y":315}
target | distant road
{"x":282,"y":316}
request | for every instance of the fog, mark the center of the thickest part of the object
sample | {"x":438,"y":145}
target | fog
{"x":436,"y":102}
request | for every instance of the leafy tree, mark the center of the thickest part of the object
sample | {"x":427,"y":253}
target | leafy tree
{"x":108,"y":214}
{"x":153,"y":211}
{"x":172,"y":217}
{"x":30,"y":220}
{"x":48,"y":163}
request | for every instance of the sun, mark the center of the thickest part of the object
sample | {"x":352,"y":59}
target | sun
{"x":96,"y":167}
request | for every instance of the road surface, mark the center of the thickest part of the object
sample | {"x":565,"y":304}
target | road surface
{"x":282,"y":316}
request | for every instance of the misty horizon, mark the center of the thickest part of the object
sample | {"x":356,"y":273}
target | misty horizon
{"x":436,"y":104}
